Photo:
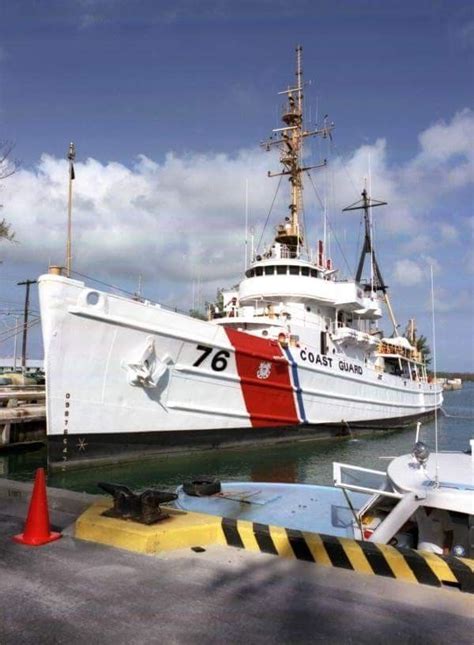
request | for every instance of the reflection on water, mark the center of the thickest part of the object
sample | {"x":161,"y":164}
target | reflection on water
{"x":309,"y":462}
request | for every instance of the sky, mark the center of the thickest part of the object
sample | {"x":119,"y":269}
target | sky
{"x":167,"y":104}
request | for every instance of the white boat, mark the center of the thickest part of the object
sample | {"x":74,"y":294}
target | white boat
{"x":294,"y":352}
{"x":423,"y":501}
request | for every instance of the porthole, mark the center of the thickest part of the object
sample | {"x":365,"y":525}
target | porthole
{"x":92,"y":298}
{"x":264,"y":332}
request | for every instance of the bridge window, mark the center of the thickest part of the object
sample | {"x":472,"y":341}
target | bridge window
{"x":250,"y":273}
{"x":259,"y":271}
{"x":294,"y":270}
{"x":304,"y":271}
{"x":269,"y":270}
{"x":281,"y":270}
{"x":314,"y":273}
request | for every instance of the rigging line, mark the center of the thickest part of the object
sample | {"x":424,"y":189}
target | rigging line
{"x":339,"y":247}
{"x":331,"y":228}
{"x":269,"y":212}
{"x":315,"y":190}
{"x":306,"y":248}
{"x":340,"y":153}
{"x":105,"y":284}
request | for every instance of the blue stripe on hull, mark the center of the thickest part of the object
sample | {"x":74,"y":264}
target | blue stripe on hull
{"x":296,"y":384}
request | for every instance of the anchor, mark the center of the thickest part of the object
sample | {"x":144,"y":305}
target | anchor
{"x":143,"y":508}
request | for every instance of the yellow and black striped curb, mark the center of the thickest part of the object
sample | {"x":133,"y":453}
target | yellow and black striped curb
{"x":187,"y":529}
{"x":354,"y":555}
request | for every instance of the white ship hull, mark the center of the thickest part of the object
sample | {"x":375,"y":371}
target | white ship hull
{"x":124,"y":372}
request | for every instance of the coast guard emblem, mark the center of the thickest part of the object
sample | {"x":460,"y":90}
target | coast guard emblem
{"x":264,"y":370}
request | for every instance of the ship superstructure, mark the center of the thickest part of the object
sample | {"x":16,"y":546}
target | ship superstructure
{"x":293,"y":351}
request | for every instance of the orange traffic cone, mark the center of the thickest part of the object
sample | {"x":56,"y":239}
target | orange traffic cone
{"x":37,"y":523}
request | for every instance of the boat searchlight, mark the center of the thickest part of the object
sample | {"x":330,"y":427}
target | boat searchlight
{"x":421,"y":452}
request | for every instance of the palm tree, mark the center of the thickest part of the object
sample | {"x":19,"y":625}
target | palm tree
{"x":422,"y":346}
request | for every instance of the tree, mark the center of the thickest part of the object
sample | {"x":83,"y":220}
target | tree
{"x":422,"y":346}
{"x":195,"y":313}
{"x":419,"y":342}
{"x":8,"y":167}
{"x":6,"y":232}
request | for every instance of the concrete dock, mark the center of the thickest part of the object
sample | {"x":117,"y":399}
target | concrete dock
{"x":72,"y":591}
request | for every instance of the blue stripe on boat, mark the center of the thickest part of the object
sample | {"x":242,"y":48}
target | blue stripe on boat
{"x":296,"y":384}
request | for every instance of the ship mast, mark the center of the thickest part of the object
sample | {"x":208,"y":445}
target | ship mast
{"x":377,"y":282}
{"x":289,"y":140}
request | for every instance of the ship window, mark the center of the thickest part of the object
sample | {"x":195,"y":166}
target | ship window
{"x":249,"y":273}
{"x":281,"y":270}
{"x":314,"y":273}
{"x":269,"y":270}
{"x":294,"y":270}
{"x":305,"y":271}
{"x":258,"y":271}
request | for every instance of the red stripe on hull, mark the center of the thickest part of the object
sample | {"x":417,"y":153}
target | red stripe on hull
{"x":269,"y":399}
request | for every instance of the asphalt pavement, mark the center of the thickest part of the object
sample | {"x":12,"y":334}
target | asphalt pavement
{"x":71,"y":591}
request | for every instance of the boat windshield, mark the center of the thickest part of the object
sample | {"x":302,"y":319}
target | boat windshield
{"x":363,"y":480}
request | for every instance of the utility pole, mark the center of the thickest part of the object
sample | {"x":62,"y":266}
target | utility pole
{"x":27,"y":283}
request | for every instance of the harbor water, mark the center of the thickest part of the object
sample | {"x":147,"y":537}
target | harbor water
{"x":307,"y":462}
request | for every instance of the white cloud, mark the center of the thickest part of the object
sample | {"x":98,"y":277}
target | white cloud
{"x":408,"y":272}
{"x":446,"y":159}
{"x":448,"y":301}
{"x":449,"y":233}
{"x":417,"y":244}
{"x":177,"y":219}
{"x":183,"y":218}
